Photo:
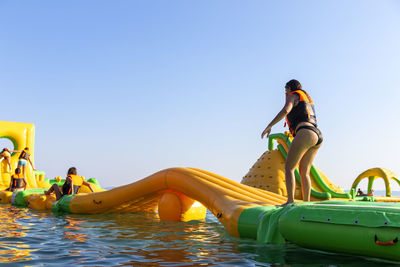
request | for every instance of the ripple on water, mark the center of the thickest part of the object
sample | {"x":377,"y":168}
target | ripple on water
{"x":41,"y":238}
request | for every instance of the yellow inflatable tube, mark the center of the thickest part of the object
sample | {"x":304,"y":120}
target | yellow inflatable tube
{"x":5,"y":197}
{"x":167,"y":190}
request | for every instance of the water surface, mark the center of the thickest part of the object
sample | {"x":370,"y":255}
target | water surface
{"x":39,"y":238}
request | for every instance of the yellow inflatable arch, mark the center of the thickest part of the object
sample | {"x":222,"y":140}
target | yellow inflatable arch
{"x":21,"y":135}
{"x":375,"y":173}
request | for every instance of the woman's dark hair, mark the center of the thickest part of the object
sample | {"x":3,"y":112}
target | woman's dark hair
{"x":17,"y":171}
{"x":294,"y":85}
{"x":72,"y":171}
{"x":26,"y":148}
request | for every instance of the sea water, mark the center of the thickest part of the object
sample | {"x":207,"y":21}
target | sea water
{"x":41,"y":238}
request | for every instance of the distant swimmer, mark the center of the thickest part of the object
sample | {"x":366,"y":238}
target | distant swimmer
{"x":302,"y":122}
{"x":5,"y":154}
{"x":23,"y":159}
{"x":71,"y":185}
{"x":18,"y":182}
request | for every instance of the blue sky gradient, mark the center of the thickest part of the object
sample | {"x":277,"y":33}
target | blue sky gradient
{"x":122,"y":89}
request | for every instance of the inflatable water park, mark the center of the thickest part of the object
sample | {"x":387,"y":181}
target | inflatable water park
{"x":352,"y":222}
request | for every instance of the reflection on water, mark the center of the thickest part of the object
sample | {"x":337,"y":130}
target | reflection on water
{"x":41,"y":238}
{"x":11,"y":248}
{"x":73,"y":224}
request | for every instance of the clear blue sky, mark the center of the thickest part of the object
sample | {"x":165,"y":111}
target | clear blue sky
{"x":122,"y":89}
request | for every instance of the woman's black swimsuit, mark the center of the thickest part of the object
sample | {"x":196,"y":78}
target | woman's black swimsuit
{"x":314,"y":129}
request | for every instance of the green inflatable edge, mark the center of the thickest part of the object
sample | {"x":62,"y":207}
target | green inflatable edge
{"x":344,"y":227}
{"x":62,"y":205}
{"x":19,"y":199}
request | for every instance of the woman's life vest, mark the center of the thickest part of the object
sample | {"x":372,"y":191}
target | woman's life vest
{"x":303,"y":112}
{"x":24,"y":155}
{"x":67,"y":186}
{"x":16,"y":181}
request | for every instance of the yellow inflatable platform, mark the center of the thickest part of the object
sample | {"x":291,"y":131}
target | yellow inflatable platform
{"x":181,"y":194}
{"x":176,"y":193}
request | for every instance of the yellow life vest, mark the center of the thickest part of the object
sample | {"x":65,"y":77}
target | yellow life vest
{"x":76,"y":179}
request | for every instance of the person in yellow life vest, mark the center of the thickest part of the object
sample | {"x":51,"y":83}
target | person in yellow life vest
{"x":71,"y":185}
{"x":302,"y":122}
{"x":18,"y":182}
{"x":5,"y":154}
{"x":23,"y":159}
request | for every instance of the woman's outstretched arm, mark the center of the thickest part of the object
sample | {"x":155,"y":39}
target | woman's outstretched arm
{"x":284,"y":111}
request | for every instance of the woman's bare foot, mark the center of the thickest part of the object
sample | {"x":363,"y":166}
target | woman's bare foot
{"x":284,"y":204}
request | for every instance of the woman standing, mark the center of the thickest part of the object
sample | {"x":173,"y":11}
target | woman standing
{"x":23,"y":159}
{"x":302,"y":122}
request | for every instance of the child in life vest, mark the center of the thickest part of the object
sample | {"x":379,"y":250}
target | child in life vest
{"x":18,"y":182}
{"x":71,"y":185}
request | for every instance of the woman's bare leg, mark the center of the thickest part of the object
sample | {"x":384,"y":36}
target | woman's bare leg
{"x":56,"y":189}
{"x":304,"y":168}
{"x":22,"y":168}
{"x":51,"y":190}
{"x":58,"y":192}
{"x":300,"y":145}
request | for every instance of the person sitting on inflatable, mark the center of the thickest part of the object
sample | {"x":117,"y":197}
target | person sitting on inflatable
{"x":362,"y":194}
{"x":16,"y":181}
{"x":71,"y":185}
